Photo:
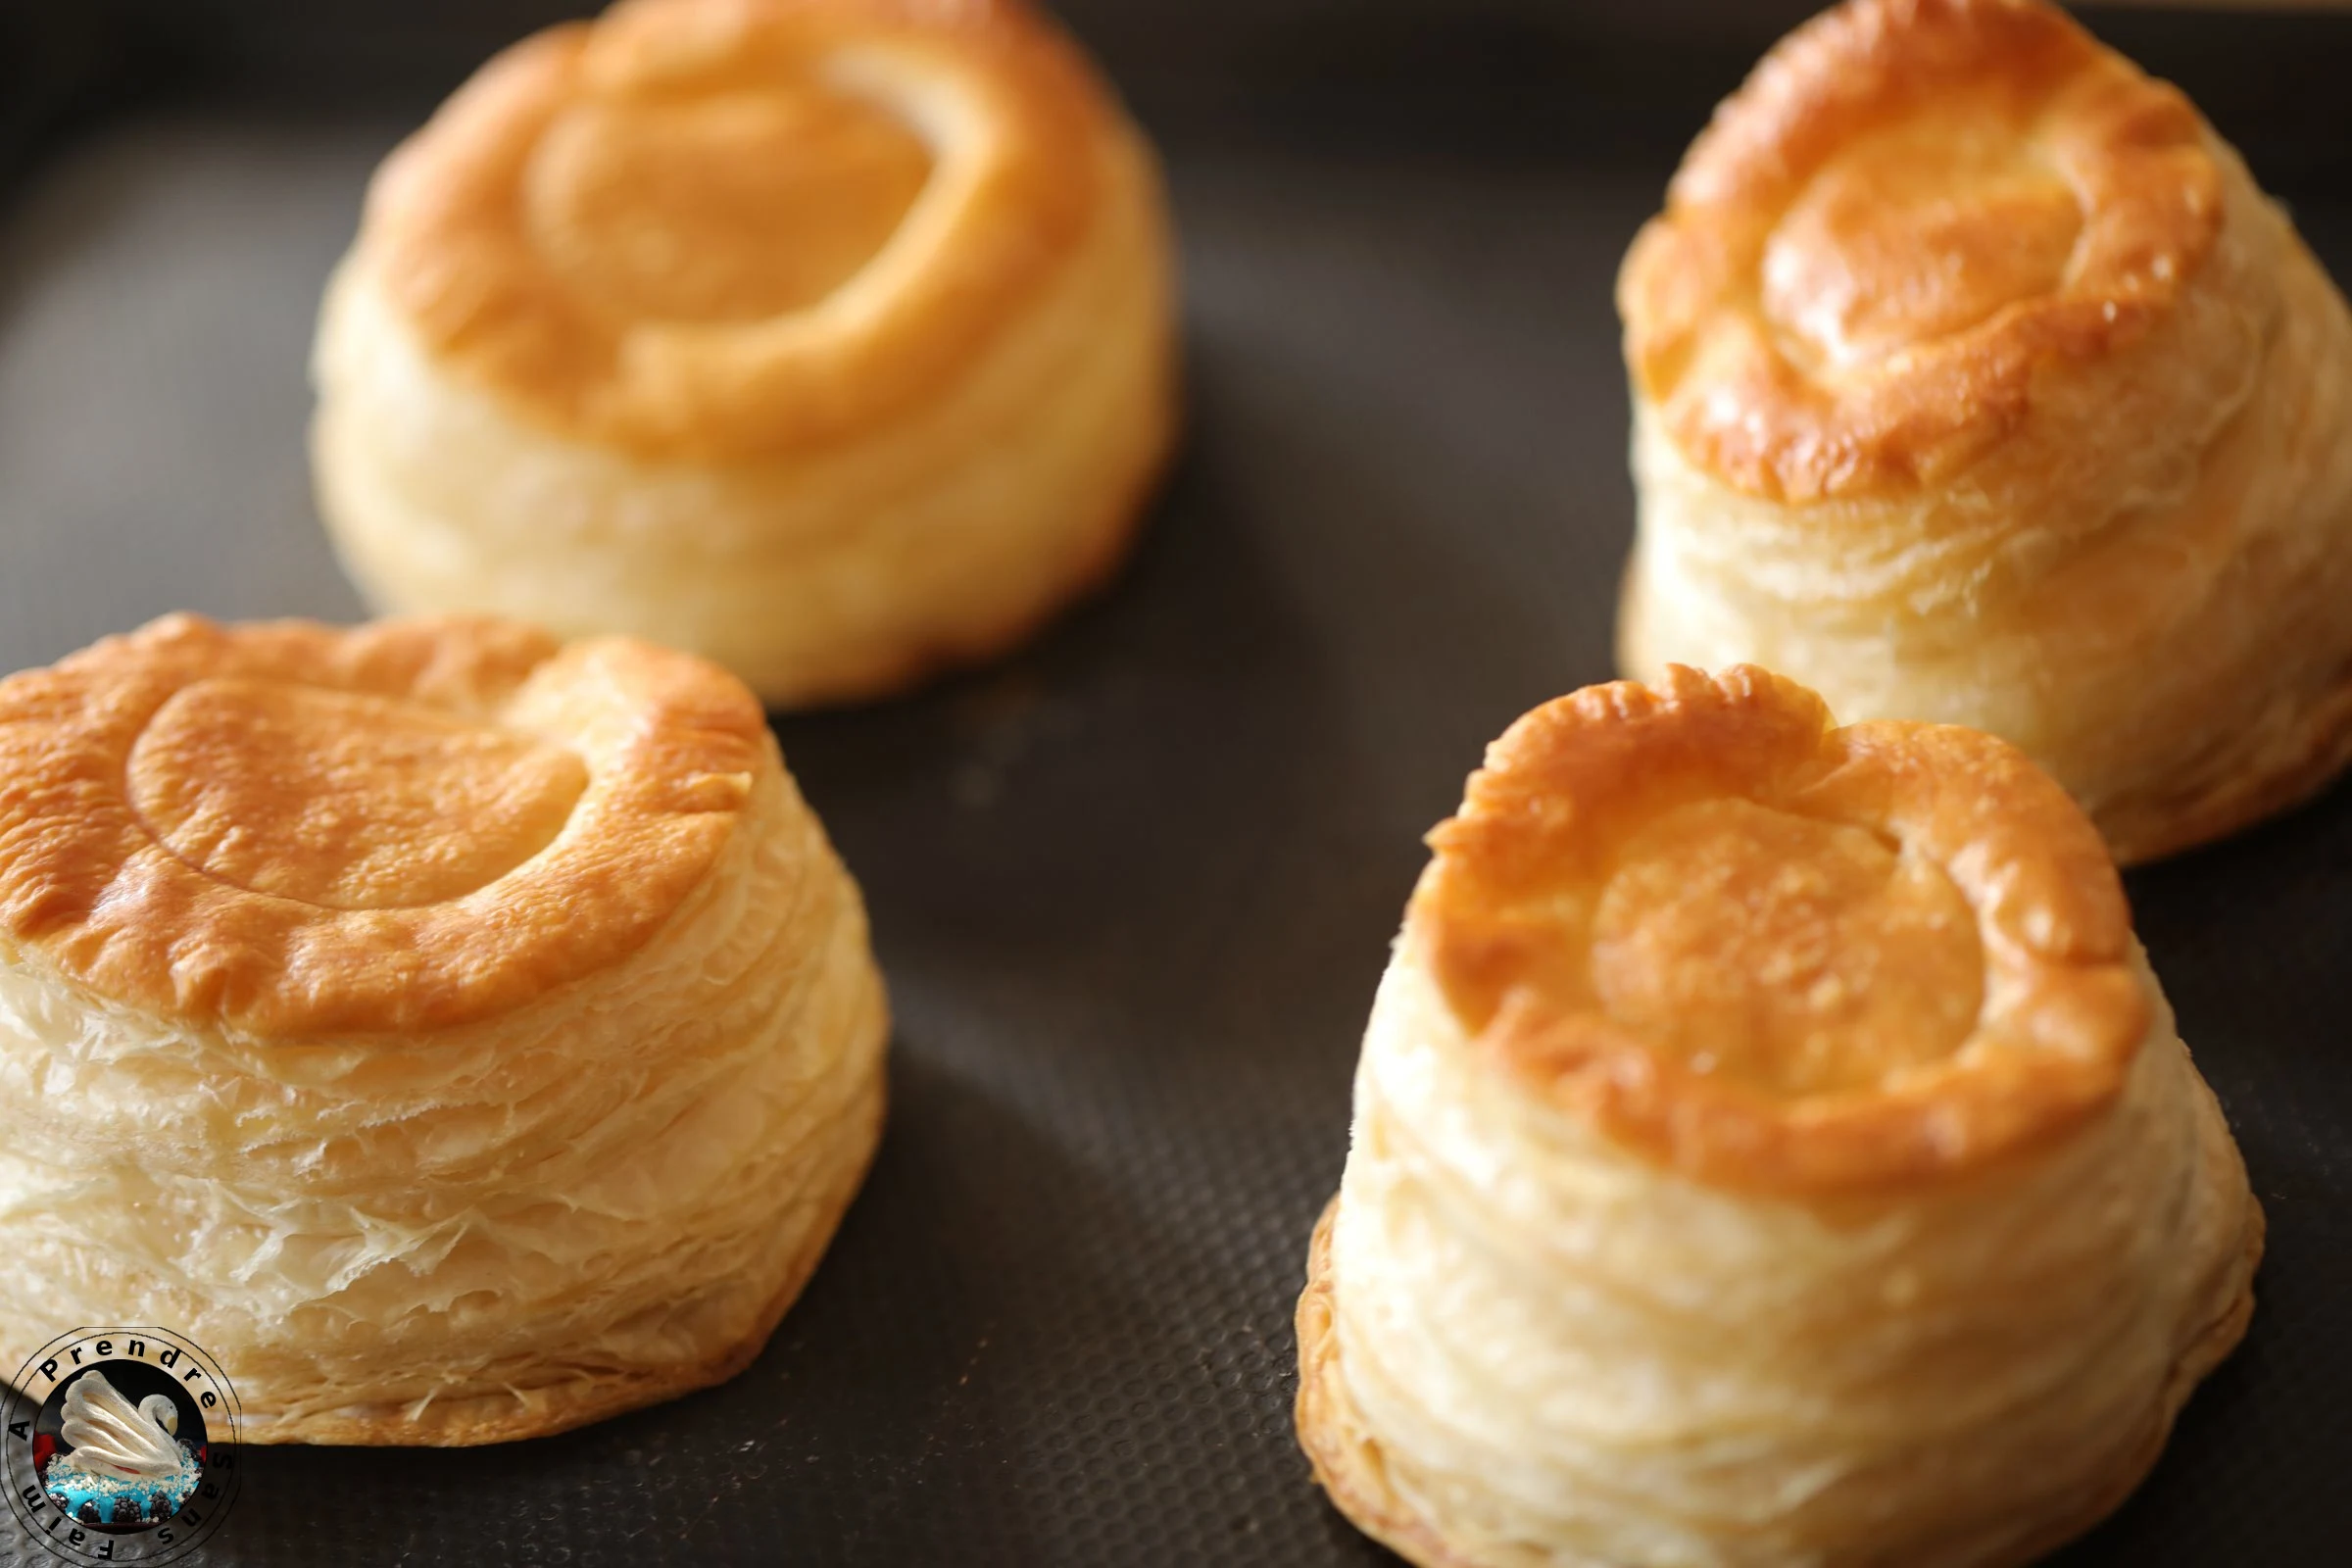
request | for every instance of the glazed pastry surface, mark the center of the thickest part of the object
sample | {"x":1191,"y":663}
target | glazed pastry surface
{"x":1974,"y":380}
{"x":460,"y":1034}
{"x":831,"y":339}
{"x":1770,"y":1148}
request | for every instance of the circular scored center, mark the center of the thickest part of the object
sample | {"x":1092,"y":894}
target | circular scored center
{"x":727,"y":207}
{"x":1789,"y":954}
{"x":1919,"y":233}
{"x":341,"y":800}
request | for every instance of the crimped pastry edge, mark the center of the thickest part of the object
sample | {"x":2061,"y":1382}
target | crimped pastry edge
{"x":2047,"y":903}
{"x":1854,"y":68}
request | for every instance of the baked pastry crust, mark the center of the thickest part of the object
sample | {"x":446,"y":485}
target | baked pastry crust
{"x":830,"y":338}
{"x":475,"y":219}
{"x":300,"y":829}
{"x":1515,"y":912}
{"x":460,"y":1034}
{"x":1972,"y":374}
{"x":1707,"y":1205}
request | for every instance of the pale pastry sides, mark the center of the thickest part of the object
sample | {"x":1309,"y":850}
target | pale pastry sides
{"x":835,"y":455}
{"x":1536,"y":1335}
{"x":1974,"y":380}
{"x":593,"y":1177}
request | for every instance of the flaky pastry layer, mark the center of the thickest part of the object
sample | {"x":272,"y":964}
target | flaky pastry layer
{"x":1975,"y":381}
{"x":1518,"y":1348}
{"x":582,"y":1186}
{"x":1743,"y":1267}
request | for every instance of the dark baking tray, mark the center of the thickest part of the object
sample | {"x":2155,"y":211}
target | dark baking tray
{"x":1132,"y":887}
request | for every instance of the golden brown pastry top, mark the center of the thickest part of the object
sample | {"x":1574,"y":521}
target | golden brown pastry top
{"x":1777,"y":954}
{"x":731,"y":228}
{"x":298,"y":829}
{"x":1911,"y":211}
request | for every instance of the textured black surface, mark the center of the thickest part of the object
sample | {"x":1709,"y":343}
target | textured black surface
{"x":1131,"y":888}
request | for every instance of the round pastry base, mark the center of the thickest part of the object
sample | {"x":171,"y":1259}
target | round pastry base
{"x":1348,"y":1459}
{"x":2292,"y":763}
{"x":511,"y":1415}
{"x":1092,"y":558}
{"x":2244,"y":779}
{"x":1352,"y":1469}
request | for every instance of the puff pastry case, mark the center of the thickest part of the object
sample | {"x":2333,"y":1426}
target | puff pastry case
{"x":877,"y":782}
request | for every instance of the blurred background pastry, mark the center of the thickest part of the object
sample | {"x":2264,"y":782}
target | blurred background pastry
{"x":461,"y":1036}
{"x":831,"y":339}
{"x":1974,"y":380}
{"x":1770,"y":1146}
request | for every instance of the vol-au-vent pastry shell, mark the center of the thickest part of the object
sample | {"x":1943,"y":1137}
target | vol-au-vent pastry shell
{"x":460,"y":1034}
{"x":1974,"y":380}
{"x":1770,"y":1148}
{"x":830,"y":338}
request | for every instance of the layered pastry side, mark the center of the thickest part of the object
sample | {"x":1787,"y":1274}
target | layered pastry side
{"x":459,"y":1035}
{"x":1770,"y":1148}
{"x":1974,"y":380}
{"x":830,"y":339}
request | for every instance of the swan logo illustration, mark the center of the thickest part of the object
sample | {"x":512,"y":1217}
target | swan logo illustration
{"x":120,"y":1446}
{"x":121,"y":1463}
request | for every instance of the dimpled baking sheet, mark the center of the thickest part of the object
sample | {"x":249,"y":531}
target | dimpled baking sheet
{"x":1132,"y":887}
